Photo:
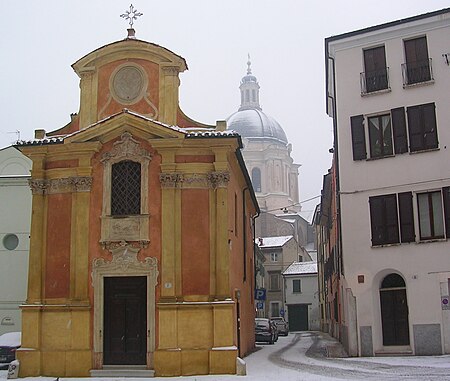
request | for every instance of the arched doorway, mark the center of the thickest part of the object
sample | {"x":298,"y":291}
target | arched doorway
{"x":394,"y":310}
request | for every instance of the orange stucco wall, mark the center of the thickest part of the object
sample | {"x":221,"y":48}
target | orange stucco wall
{"x":195,"y":241}
{"x":237,"y":256}
{"x":57,"y":265}
{"x":106,"y":105}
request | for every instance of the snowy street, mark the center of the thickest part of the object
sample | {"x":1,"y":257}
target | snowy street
{"x":302,"y":356}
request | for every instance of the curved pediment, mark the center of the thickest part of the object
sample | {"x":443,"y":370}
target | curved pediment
{"x":129,"y":48}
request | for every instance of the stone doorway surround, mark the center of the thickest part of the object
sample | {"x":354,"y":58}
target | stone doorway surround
{"x":124,"y":263}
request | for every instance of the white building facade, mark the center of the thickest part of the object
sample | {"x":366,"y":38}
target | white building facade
{"x":301,"y":296}
{"x":15,"y":209}
{"x":388,"y":90}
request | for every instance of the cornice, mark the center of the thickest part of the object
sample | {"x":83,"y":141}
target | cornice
{"x":61,"y":185}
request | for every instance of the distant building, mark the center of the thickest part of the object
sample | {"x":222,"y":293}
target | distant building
{"x":279,"y":252}
{"x":385,"y":212}
{"x":301,"y":296}
{"x":267,"y":152}
{"x":15,"y":212}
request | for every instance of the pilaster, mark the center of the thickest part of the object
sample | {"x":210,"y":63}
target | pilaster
{"x":168,"y":94}
{"x":88,"y":97}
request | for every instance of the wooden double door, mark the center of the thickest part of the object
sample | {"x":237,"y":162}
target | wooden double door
{"x":125,"y":320}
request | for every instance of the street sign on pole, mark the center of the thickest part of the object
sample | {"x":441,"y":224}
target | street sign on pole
{"x":260,"y":294}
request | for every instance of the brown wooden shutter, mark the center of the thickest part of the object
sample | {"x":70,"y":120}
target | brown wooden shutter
{"x":358,"y":137}
{"x":446,"y":197}
{"x":399,"y":129}
{"x":429,"y":125}
{"x":390,"y":210}
{"x":405,"y":206}
{"x":376,"y":220}
{"x":414,"y":129}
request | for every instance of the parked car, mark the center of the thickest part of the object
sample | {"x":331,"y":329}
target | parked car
{"x":282,"y":325}
{"x":265,"y":331}
{"x":9,"y":342}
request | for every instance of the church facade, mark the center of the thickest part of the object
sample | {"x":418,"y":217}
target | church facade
{"x":141,"y":250}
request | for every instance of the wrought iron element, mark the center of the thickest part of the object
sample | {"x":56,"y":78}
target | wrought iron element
{"x":417,"y":72}
{"x":375,"y":80}
{"x":131,"y":15}
{"x":126,"y":188}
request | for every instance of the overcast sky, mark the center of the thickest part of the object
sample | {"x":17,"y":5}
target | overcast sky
{"x":285,"y":39}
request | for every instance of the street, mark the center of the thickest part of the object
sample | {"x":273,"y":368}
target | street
{"x":302,"y":357}
{"x":305,"y":354}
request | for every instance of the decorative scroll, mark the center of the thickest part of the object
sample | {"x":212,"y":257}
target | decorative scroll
{"x":124,"y":259}
{"x":126,"y":148}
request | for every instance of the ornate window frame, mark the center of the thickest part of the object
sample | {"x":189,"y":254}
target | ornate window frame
{"x":125,"y":228}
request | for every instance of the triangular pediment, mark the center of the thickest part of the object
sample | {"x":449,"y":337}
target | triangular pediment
{"x":125,"y":121}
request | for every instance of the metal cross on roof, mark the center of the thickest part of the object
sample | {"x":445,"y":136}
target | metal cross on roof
{"x":131,"y":15}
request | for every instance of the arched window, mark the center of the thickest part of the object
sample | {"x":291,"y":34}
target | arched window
{"x":256,"y":179}
{"x":125,"y":188}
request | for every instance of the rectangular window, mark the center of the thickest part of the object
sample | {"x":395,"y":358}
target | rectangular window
{"x":126,"y":188}
{"x":417,"y":68}
{"x":375,"y":70}
{"x":296,"y":285}
{"x":274,"y":281}
{"x":380,"y":136}
{"x":431,"y":217}
{"x":274,"y":257}
{"x":384,"y":220}
{"x":274,"y":309}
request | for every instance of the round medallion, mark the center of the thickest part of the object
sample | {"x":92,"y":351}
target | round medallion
{"x":128,"y":84}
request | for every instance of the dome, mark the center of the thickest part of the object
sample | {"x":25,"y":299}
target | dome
{"x":253,"y":123}
{"x":250,"y":121}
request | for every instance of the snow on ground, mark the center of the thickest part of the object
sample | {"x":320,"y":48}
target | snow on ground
{"x":287,"y":361}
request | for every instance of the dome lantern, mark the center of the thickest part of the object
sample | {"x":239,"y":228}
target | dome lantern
{"x":249,"y":90}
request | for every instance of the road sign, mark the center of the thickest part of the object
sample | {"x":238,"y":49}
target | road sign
{"x":260,"y":294}
{"x":260,"y":305}
{"x":282,"y":312}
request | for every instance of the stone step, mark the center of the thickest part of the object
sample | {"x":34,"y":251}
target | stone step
{"x":123,"y":371}
{"x":394,"y":353}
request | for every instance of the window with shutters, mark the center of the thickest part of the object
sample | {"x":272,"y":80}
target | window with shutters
{"x":375,"y":75}
{"x":431,"y":215}
{"x":392,"y":217}
{"x":422,"y":127}
{"x":417,"y":68}
{"x":296,"y":285}
{"x":393,"y":133}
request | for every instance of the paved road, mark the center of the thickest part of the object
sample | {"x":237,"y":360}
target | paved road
{"x":306,"y":352}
